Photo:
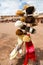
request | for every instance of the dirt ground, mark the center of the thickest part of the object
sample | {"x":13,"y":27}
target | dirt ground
{"x":8,"y":40}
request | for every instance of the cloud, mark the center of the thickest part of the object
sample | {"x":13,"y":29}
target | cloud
{"x":38,"y":4}
{"x":9,"y":7}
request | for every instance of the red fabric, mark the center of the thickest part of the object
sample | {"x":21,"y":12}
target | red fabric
{"x":30,"y":52}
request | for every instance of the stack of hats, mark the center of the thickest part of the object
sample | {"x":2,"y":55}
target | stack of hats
{"x":28,"y":19}
{"x":21,"y":26}
{"x":20,"y":13}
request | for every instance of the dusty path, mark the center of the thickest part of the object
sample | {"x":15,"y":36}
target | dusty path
{"x":8,"y":40}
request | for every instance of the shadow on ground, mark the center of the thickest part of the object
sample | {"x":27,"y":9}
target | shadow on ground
{"x":39,"y":54}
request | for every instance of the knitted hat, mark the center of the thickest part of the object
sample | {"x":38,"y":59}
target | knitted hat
{"x":30,"y":19}
{"x":30,"y":10}
{"x":19,"y":32}
{"x":18,"y":23}
{"x":23,"y":27}
{"x":22,"y":19}
{"x":20,"y":13}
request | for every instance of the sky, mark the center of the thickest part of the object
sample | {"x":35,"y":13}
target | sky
{"x":9,"y":7}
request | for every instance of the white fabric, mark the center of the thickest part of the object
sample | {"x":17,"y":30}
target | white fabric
{"x":20,"y":51}
{"x":13,"y":56}
{"x":31,"y":29}
{"x":15,"y":50}
{"x":20,"y":41}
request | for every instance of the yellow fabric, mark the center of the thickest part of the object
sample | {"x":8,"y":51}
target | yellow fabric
{"x":26,"y":38}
